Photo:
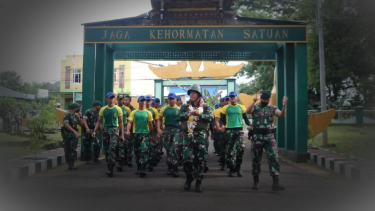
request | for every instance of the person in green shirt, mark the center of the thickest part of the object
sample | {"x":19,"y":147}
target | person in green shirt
{"x":141,"y":122}
{"x":171,"y":133}
{"x":154,"y":146}
{"x":233,"y":114}
{"x":123,"y":145}
{"x":70,"y":134}
{"x":111,"y":115}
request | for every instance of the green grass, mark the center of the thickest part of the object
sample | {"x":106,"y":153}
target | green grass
{"x":357,"y":141}
{"x":8,"y":153}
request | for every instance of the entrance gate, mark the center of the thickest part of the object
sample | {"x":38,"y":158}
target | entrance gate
{"x":163,"y":35}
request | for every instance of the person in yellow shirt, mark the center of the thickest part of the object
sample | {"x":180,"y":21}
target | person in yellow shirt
{"x":154,"y":147}
{"x":111,"y":115}
{"x":141,"y":122}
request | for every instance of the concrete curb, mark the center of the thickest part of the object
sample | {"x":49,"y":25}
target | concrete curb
{"x":12,"y":175}
{"x":342,"y":166}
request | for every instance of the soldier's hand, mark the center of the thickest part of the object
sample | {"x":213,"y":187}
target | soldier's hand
{"x":88,"y":132}
{"x":259,"y":93}
{"x":128,"y":133}
{"x":195,"y":113}
{"x":93,"y":134}
{"x":76,"y":134}
{"x":122,"y":138}
{"x":160,"y":133}
{"x":285,"y":100}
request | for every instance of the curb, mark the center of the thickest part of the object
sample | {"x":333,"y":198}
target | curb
{"x":342,"y":166}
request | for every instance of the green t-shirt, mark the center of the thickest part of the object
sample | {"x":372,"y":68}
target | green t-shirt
{"x":125,"y":113}
{"x":110,"y":115}
{"x":170,"y":115}
{"x":233,"y":115}
{"x":140,"y":120}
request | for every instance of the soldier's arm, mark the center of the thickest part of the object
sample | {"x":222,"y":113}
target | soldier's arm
{"x":183,"y":116}
{"x":120,"y":120}
{"x":246,"y":118}
{"x":98,"y":123}
{"x":129,"y":126}
{"x":67,"y":126}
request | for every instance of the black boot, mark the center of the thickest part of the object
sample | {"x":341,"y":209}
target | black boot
{"x":142,"y":172}
{"x":71,"y":165}
{"x":276,"y":186}
{"x":87,"y":158}
{"x":110,"y":171}
{"x":189,"y":179}
{"x":96,"y":159}
{"x":119,"y":165}
{"x":130,"y":164}
{"x":150,"y":167}
{"x":169,"y":172}
{"x":175,"y":171}
{"x":198,"y":188}
{"x":238,"y":170}
{"x":205,"y":167}
{"x":222,"y":163}
{"x":256,"y":182}
{"x":231,"y":171}
{"x":138,"y":169}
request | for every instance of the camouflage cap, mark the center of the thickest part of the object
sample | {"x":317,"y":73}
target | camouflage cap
{"x":74,"y":105}
{"x":265,"y":94}
{"x":97,"y":103}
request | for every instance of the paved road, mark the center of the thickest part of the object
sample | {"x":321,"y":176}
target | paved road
{"x":308,"y":187}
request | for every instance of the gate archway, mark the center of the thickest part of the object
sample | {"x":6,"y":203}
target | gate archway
{"x":205,"y":30}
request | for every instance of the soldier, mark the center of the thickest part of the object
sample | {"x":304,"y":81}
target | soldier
{"x":70,"y":134}
{"x":233,"y":114}
{"x":214,"y":132}
{"x":154,"y":146}
{"x":123,"y":160}
{"x":195,"y":117}
{"x":171,"y":134}
{"x":179,"y":102}
{"x":89,"y":121}
{"x":264,"y":136}
{"x":223,"y":143}
{"x":111,"y":115}
{"x":157,"y":104}
{"x":129,"y":146}
{"x":141,"y":121}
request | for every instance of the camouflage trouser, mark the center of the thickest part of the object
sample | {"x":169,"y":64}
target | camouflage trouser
{"x":70,"y":146}
{"x":171,"y":138}
{"x":141,"y":148}
{"x":236,"y":147}
{"x":129,"y":146}
{"x":154,"y":147}
{"x":223,"y":145}
{"x":87,"y":140}
{"x":267,"y":142}
{"x":216,"y":137}
{"x":207,"y":144}
{"x":113,"y":143}
{"x":194,"y":154}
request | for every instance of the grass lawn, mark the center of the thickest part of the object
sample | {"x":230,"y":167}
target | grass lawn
{"x":351,"y":140}
{"x":8,"y":153}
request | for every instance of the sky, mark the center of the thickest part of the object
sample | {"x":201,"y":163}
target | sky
{"x":37,"y":35}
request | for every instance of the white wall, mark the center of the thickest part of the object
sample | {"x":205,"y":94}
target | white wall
{"x":142,"y":79}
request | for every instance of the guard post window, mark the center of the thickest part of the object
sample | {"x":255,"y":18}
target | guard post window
{"x":77,"y":76}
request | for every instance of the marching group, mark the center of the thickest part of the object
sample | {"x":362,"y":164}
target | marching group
{"x":181,"y":129}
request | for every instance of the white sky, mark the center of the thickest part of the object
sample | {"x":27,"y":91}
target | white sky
{"x":36,"y":35}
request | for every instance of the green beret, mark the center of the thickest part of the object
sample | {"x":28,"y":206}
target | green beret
{"x":97,"y":103}
{"x":74,"y":105}
{"x":265,"y":94}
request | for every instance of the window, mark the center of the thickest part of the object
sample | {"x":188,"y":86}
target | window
{"x":77,"y":76}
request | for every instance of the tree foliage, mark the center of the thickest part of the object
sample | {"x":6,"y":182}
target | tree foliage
{"x":11,"y":80}
{"x":262,"y":74}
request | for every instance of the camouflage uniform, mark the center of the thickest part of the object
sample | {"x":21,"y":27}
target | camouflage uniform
{"x":171,"y":139}
{"x":129,"y":143}
{"x":91,"y":117}
{"x":69,"y":139}
{"x":264,"y":138}
{"x":111,"y":141}
{"x":194,"y":145}
{"x":141,"y":148}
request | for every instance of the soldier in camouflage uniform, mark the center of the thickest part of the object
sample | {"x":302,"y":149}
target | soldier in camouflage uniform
{"x":264,"y":136}
{"x":129,"y":146}
{"x":154,"y":146}
{"x":70,"y":135}
{"x":90,"y":118}
{"x":233,"y":114}
{"x":111,"y":115}
{"x":141,"y":122}
{"x":122,"y":159}
{"x":171,"y":133}
{"x":195,"y":118}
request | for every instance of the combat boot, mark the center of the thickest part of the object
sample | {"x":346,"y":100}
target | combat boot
{"x":130,"y":164}
{"x":110,"y":171}
{"x":150,"y":167}
{"x":142,"y":172}
{"x":189,"y":180}
{"x":238,"y":170}
{"x":231,"y":171}
{"x":119,"y":165}
{"x":222,"y":163}
{"x":198,"y":188}
{"x":87,"y":158}
{"x":276,"y":186}
{"x":175,"y":171}
{"x":205,"y":168}
{"x":138,"y":169}
{"x":256,"y":182}
{"x":71,"y":165}
{"x":96,"y":159}
{"x":169,"y":172}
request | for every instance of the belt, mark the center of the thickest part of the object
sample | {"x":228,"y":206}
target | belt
{"x":263,"y":131}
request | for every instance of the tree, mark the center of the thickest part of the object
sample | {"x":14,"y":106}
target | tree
{"x":11,"y":80}
{"x":262,"y":74}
